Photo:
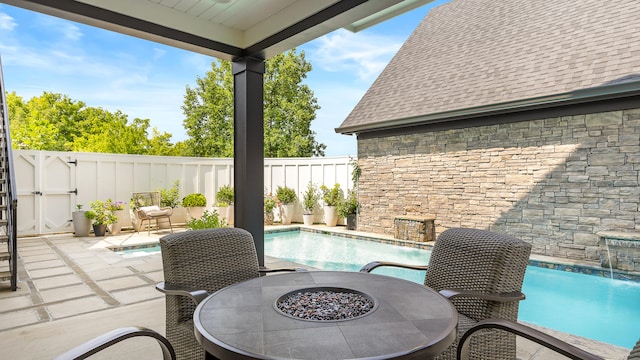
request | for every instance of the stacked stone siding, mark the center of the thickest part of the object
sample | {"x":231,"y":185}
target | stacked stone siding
{"x":552,"y":182}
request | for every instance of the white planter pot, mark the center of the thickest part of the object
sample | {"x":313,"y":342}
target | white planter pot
{"x":115,"y":228}
{"x":135,"y":221}
{"x":230,"y":214}
{"x":81,"y":225}
{"x":307,"y":219}
{"x":179,"y":215}
{"x":330,"y":216}
{"x":194,"y":212}
{"x":163,"y":223}
{"x":222,"y":212}
{"x":286,"y":213}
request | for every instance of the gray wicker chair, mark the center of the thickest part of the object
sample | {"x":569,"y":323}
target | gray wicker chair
{"x":481,"y":272}
{"x":197,"y":263}
{"x":539,"y":337}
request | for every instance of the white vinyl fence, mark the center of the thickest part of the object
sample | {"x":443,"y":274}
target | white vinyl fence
{"x":50,"y":184}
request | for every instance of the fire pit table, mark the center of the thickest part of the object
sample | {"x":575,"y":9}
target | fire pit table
{"x":325,"y":315}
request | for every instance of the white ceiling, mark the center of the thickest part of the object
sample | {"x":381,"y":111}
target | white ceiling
{"x":225,"y":28}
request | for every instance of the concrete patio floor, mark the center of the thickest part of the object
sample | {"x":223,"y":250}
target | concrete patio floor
{"x":73,"y":289}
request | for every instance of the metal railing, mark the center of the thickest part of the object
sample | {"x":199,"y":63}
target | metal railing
{"x":10,"y":197}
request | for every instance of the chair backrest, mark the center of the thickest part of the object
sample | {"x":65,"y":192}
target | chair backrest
{"x":147,"y":198}
{"x":635,"y":352}
{"x":207,"y":259}
{"x":481,"y":261}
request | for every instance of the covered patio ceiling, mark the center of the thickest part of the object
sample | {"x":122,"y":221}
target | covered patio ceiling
{"x":225,"y":29}
{"x":246,"y":32}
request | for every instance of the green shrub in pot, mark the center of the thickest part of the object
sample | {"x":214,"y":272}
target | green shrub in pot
{"x":195,"y":199}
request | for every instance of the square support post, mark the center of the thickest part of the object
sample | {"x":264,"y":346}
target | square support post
{"x":248,"y":92}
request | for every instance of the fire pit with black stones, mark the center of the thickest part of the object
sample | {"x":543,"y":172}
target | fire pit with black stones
{"x":325,"y":304}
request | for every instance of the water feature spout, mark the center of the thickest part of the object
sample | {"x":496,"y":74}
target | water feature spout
{"x":606,"y":243}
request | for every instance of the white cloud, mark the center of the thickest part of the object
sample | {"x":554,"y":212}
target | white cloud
{"x":7,"y":22}
{"x":363,"y":54}
{"x":200,"y":63}
{"x":158,"y":53}
{"x":70,"y":31}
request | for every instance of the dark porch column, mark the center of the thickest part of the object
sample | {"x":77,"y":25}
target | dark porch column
{"x":248,"y":78}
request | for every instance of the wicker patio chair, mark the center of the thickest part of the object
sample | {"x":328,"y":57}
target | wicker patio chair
{"x":113,"y":337}
{"x":147,"y":208}
{"x":197,"y":263}
{"x":481,"y":272}
{"x":548,"y":341}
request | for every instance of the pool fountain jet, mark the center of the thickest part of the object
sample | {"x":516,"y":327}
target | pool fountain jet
{"x":619,"y":250}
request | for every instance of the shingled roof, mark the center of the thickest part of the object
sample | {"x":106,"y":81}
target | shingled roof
{"x":471,"y":57}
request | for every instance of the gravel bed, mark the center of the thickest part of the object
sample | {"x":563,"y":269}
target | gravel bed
{"x":325,"y":305}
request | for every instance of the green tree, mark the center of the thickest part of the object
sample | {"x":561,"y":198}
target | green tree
{"x":57,"y":123}
{"x":289,"y":109}
{"x":208,"y":110}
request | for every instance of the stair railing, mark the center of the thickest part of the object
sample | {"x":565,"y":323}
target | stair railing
{"x":11,"y":195}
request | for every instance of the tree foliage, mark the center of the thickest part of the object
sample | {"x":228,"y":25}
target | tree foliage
{"x":57,"y":123}
{"x":289,"y":109}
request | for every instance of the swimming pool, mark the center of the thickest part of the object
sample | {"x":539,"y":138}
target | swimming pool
{"x":589,"y":306}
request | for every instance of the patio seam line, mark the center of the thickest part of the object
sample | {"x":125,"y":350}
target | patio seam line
{"x":86,"y":279}
{"x":36,"y":299}
{"x":141,"y":275}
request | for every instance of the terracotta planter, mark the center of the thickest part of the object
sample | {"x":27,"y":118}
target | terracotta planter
{"x":330,"y":216}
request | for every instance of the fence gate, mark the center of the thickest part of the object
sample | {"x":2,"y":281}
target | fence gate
{"x":46,"y":192}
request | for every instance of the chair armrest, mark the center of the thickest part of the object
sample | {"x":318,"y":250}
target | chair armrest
{"x":374,"y":264}
{"x":102,"y":342}
{"x":501,"y":297}
{"x":263,"y":270}
{"x":196,"y":295}
{"x":169,"y":208}
{"x":534,"y":335}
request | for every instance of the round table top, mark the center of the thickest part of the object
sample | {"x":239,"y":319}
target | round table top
{"x":241,"y":321}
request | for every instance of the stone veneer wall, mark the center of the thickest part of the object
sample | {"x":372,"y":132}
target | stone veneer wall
{"x":552,"y":182}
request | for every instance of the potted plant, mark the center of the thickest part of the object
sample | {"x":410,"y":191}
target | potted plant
{"x":208,"y":220}
{"x":117,"y":209}
{"x":347,"y":209}
{"x":195,"y":204}
{"x":81,"y":224}
{"x":169,"y":198}
{"x":100,"y":217}
{"x":287,"y":197}
{"x":224,"y":199}
{"x":270,"y":203}
{"x":309,"y":202}
{"x":332,"y":198}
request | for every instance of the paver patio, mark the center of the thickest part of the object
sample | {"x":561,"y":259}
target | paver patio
{"x":73,"y":289}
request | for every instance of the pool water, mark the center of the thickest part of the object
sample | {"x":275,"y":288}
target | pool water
{"x":588,"y":306}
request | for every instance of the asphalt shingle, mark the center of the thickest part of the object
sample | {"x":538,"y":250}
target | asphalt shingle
{"x":470,"y":53}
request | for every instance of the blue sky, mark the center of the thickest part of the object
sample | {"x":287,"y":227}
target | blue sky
{"x":147,"y":80}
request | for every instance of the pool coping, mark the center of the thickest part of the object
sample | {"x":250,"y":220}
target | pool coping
{"x":547,"y":262}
